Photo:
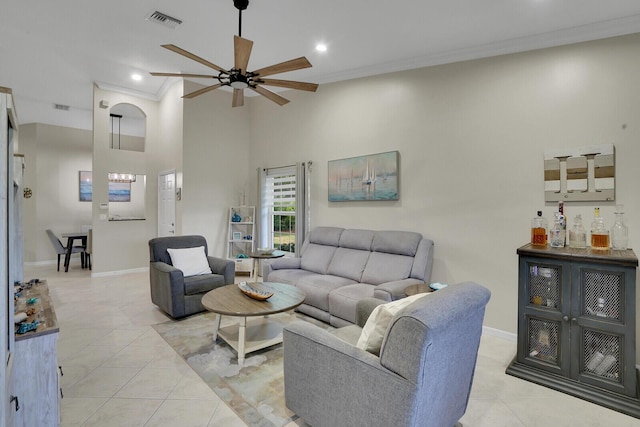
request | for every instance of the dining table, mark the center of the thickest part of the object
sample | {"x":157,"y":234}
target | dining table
{"x":71,"y":237}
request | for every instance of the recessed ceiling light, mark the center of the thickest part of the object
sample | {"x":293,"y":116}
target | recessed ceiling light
{"x":321,"y":47}
{"x":136,"y":77}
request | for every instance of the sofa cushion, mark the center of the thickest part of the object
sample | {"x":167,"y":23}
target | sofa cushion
{"x":329,"y":236}
{"x":396,"y":242}
{"x":357,"y":239}
{"x":343,"y":301}
{"x":192,"y":261}
{"x":318,"y":286}
{"x":382,"y":268}
{"x":289,"y":276}
{"x":316,"y":258}
{"x":203,"y":283}
{"x":375,"y":329}
{"x":348,"y":263}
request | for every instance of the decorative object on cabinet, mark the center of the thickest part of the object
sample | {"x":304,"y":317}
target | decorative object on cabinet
{"x":579,"y":174}
{"x":240,"y":240}
{"x":39,"y":400}
{"x":27,"y":193}
{"x":577,"y":324}
{"x":370,"y":177}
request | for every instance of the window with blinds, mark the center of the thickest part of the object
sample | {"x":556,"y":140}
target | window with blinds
{"x":280,"y":206}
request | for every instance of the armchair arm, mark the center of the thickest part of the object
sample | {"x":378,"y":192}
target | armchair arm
{"x":392,"y":291}
{"x":322,"y":371}
{"x":167,"y":287}
{"x":223,"y":266}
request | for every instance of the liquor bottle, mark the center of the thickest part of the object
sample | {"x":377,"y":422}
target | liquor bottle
{"x":599,"y":234}
{"x":550,"y":298}
{"x":563,"y":220}
{"x":619,"y":231}
{"x":557,"y":232}
{"x":610,"y":359}
{"x":596,"y":359}
{"x":539,"y":227}
{"x":577,"y":234}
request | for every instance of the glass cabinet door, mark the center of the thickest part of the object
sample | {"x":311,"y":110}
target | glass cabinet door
{"x":544,"y":326}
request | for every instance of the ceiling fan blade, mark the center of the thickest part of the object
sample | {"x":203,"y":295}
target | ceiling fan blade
{"x":201,"y":91}
{"x":238,"y":98}
{"x":311,"y":87}
{"x":202,"y":76}
{"x":271,"y":95}
{"x":190,"y":55}
{"x":283,"y":67}
{"x":242,"y":51}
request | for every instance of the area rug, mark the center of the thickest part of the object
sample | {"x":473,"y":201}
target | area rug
{"x":254,"y":391}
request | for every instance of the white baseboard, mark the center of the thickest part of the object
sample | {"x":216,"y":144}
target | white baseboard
{"x":120,"y":272}
{"x":498,"y":333}
{"x":37,"y":263}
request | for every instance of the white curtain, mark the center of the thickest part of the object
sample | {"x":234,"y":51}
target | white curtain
{"x":302,"y":172}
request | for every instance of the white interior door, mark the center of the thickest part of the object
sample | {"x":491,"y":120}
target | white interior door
{"x":167,"y":203}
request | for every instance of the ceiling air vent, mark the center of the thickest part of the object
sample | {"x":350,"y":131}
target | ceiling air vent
{"x":161,"y":18}
{"x":61,"y":107}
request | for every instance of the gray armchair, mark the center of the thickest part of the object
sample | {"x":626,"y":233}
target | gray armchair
{"x":180,"y":296}
{"x":422,"y":378}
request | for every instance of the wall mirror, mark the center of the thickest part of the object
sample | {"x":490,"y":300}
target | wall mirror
{"x":127,"y":128}
{"x":126,"y":196}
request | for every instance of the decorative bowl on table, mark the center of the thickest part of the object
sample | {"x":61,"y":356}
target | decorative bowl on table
{"x":257,"y":294}
{"x":265,"y":251}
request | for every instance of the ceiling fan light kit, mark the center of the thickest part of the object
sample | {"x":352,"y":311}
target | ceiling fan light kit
{"x":238,"y":77}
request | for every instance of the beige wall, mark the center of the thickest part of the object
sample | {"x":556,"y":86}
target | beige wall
{"x":53,"y":157}
{"x":122,"y":245}
{"x":471,"y":138}
{"x":216,"y":153}
{"x":168,"y":155}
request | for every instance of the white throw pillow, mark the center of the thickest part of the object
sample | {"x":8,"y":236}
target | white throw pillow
{"x":192,"y":261}
{"x":378,"y":322}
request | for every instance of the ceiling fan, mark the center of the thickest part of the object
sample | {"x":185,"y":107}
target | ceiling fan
{"x":238,"y":77}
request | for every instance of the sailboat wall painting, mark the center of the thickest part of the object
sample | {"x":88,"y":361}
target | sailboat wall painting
{"x":370,"y":177}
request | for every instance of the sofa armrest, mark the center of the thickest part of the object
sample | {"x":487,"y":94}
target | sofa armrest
{"x":322,"y":371}
{"x":279,"y":264}
{"x":223,"y":266}
{"x":391,"y":291}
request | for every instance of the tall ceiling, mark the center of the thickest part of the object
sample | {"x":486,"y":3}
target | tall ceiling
{"x":52,"y":52}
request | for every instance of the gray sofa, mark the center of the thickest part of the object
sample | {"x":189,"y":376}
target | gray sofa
{"x":338,"y":267}
{"x":422,"y":377}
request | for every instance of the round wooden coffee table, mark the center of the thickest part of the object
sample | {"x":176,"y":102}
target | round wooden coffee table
{"x":259,"y":332}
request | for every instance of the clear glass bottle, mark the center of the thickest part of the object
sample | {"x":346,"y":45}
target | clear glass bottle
{"x":563,"y":219}
{"x":599,"y":233}
{"x":557,"y":232}
{"x":539,"y":226}
{"x":619,"y":231}
{"x":577,"y":234}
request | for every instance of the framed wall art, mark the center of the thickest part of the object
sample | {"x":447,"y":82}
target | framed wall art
{"x":370,"y":177}
{"x":580,"y":174}
{"x":118,"y":191}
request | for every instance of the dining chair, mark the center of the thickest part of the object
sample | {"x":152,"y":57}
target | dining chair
{"x":62,"y":250}
{"x":88,"y":249}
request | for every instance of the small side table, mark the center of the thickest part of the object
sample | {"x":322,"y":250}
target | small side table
{"x":417,"y":289}
{"x":257,"y":256}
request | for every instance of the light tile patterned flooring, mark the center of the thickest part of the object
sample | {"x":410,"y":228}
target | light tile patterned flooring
{"x":119,"y":372}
